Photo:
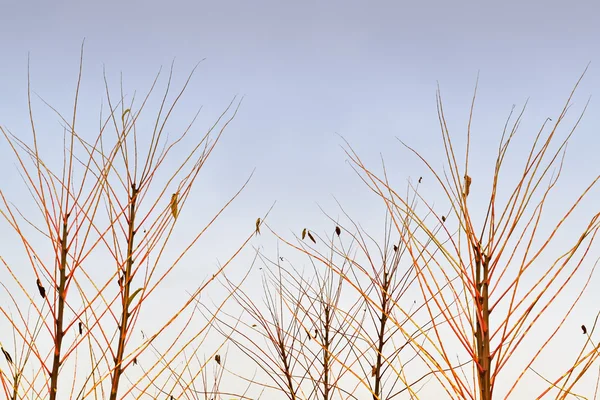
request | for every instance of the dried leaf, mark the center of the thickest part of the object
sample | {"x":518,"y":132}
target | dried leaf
{"x":420,"y":179}
{"x":174,"y":211}
{"x":41,"y":289}
{"x":258,"y":226}
{"x":134,"y":360}
{"x":395,"y":248}
{"x":7,"y":356}
{"x":218,"y":359}
{"x":443,"y":219}
{"x":467,"y":185}
{"x":338,"y":231}
{"x":311,"y":237}
{"x":584,"y":329}
{"x":303,"y":233}
{"x":80,"y":325}
{"x":373,"y":370}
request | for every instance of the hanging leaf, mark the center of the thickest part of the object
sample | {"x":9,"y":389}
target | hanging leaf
{"x":134,"y":360}
{"x":174,"y":205}
{"x":308,"y":334}
{"x":133,"y":296}
{"x":467,"y":185}
{"x":41,"y":289}
{"x":303,"y":233}
{"x":80,"y":325}
{"x":395,"y":248}
{"x":338,"y":231}
{"x":443,"y":219}
{"x":420,"y":179}
{"x":311,"y":237}
{"x":124,"y":114}
{"x":258,"y":226}
{"x":7,"y":356}
{"x":218,"y":359}
{"x":584,"y":329}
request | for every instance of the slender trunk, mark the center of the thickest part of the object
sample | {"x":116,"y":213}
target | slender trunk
{"x":381,"y":337}
{"x":326,"y":354}
{"x":58,"y":322}
{"x":126,"y":287}
{"x":287,"y":369}
{"x":483,"y":331}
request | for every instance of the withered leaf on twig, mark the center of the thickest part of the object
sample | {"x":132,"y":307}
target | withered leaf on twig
{"x":338,"y":231}
{"x":303,"y":233}
{"x":311,"y":237}
{"x":7,"y":356}
{"x":41,"y":289}
{"x":258,"y":226}
{"x":420,"y":179}
{"x":174,"y":210}
{"x":467,"y":185}
{"x":584,"y":329}
{"x":395,"y":248}
{"x":80,"y":325}
{"x":134,"y":360}
{"x":218,"y":359}
{"x":443,"y":219}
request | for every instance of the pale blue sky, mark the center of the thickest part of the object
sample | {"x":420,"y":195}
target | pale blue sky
{"x":310,"y":70}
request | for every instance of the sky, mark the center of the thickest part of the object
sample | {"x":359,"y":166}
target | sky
{"x":312,"y":74}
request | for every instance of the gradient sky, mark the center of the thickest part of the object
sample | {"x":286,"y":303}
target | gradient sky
{"x":310,"y":71}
